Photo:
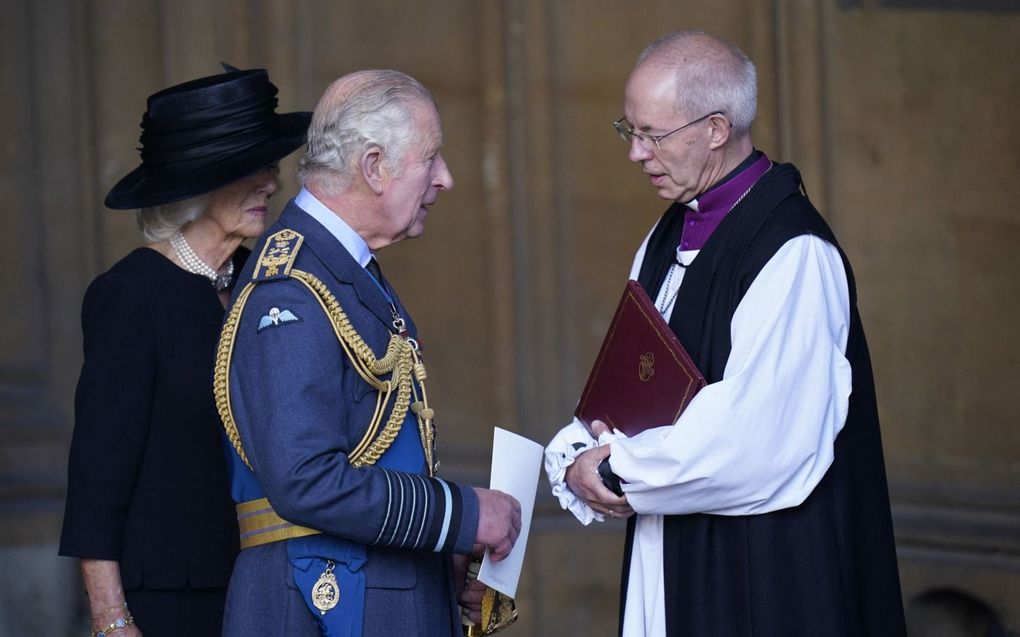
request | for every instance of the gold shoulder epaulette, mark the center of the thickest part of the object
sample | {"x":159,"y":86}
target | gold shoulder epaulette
{"x":278,"y":256}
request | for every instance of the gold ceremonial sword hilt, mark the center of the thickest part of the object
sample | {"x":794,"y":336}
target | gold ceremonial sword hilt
{"x":498,"y":609}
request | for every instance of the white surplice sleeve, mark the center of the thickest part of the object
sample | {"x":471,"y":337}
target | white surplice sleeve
{"x":760,"y":439}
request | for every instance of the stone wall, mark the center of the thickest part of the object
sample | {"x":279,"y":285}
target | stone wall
{"x":900,"y":113}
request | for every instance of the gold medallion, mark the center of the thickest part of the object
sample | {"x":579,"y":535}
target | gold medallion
{"x":326,"y":592}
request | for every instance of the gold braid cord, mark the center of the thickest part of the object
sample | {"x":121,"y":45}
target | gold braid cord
{"x":400,"y":360}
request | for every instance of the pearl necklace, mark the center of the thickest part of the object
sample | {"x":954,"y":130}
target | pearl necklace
{"x":195,"y":265}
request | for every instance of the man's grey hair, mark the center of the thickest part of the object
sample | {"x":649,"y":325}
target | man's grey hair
{"x":712,"y":75}
{"x":159,"y":223}
{"x":377,"y":111}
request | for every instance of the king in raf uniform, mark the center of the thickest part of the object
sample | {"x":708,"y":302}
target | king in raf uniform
{"x":345,"y":528}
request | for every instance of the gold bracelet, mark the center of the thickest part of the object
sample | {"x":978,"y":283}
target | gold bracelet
{"x":118,"y":624}
{"x":118,"y":607}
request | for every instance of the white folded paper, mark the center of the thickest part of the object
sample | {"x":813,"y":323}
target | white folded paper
{"x":516,"y":463}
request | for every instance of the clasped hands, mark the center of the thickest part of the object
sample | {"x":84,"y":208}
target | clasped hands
{"x":584,"y":480}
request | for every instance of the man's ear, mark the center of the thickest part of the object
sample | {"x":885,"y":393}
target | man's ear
{"x":372,"y":169}
{"x":718,"y":130}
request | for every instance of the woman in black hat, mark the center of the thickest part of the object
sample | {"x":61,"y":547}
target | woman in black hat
{"x":148,"y":504}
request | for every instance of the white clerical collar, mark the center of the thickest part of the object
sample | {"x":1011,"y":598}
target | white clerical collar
{"x":692,"y":204}
{"x":337,"y":227}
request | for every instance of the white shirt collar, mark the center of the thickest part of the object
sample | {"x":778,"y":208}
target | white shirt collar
{"x":337,"y":227}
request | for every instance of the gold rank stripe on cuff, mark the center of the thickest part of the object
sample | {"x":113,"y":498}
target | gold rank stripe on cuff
{"x":259,"y":524}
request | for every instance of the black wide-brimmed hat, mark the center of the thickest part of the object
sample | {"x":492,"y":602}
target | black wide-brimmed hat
{"x":207,"y":133}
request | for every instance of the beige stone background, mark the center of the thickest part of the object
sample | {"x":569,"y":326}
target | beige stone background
{"x":901,"y":114}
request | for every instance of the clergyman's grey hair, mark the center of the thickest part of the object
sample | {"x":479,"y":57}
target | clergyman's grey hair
{"x":712,"y":75}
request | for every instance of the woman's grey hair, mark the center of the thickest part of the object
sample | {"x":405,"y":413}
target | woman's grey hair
{"x":159,"y":223}
{"x":712,"y":75}
{"x":376,"y":111}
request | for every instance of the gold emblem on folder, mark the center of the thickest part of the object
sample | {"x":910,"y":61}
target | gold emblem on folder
{"x":646,"y":366}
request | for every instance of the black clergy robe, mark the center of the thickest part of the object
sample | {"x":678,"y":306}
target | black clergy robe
{"x":826,"y":567}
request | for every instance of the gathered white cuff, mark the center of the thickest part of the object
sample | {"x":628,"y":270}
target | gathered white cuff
{"x":570,"y":442}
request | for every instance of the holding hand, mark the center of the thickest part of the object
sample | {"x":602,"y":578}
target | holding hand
{"x":499,"y":522}
{"x":584,"y":480}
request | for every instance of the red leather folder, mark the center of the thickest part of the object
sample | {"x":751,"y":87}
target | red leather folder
{"x":642,"y":377}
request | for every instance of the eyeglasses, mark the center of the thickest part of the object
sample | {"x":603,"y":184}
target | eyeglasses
{"x":627,"y":132}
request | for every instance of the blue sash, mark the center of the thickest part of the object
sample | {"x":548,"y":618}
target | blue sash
{"x":308,"y":555}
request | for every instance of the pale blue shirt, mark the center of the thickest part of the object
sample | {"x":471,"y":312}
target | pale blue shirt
{"x":337,"y":227}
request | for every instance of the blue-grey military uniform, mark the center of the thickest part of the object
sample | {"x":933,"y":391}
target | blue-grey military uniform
{"x":385,"y":530}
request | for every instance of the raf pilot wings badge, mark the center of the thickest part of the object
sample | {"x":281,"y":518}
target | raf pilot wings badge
{"x":275,"y":262}
{"x":276,"y":317}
